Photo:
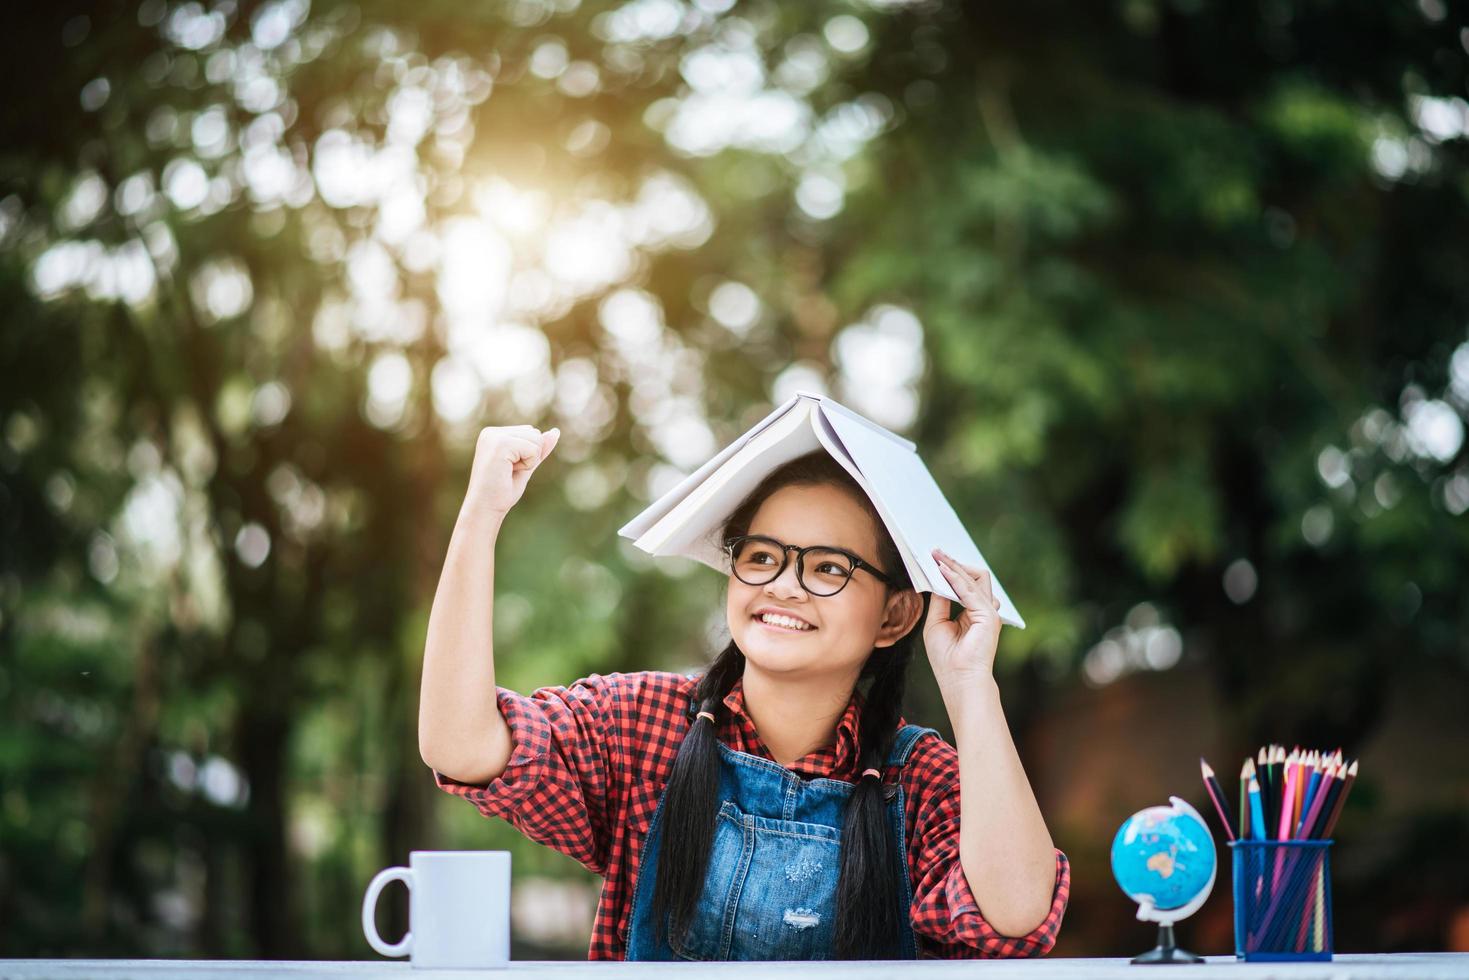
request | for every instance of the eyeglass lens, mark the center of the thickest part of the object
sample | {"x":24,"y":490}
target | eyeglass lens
{"x":758,"y":560}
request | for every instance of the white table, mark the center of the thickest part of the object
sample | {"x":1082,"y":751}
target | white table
{"x":1346,"y":966}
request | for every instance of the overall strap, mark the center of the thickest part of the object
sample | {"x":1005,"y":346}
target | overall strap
{"x":903,"y":743}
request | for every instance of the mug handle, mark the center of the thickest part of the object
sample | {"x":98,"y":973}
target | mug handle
{"x":369,"y":906}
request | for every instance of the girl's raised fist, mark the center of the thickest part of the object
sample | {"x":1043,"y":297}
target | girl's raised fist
{"x":504,"y":458}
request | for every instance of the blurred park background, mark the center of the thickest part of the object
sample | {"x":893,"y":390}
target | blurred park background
{"x":1173,"y":296}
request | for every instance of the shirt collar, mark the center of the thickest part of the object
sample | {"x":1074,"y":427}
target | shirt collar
{"x":832,"y":761}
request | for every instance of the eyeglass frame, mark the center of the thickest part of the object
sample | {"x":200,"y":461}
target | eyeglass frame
{"x":785,"y":558}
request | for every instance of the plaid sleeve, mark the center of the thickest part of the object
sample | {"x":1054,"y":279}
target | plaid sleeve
{"x":555,"y":788}
{"x":945,"y":916}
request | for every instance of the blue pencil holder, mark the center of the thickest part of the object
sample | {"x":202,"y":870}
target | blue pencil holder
{"x":1282,"y":899}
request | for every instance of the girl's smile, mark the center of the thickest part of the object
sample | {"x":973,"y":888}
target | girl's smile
{"x":777,"y":628}
{"x":780,"y":618}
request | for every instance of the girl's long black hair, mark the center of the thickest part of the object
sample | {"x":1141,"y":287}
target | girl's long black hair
{"x":869,"y":910}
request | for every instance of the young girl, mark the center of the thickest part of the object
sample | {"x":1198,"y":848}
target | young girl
{"x":767,"y":808}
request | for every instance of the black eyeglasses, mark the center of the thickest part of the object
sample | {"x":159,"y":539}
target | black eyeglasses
{"x":753,"y":560}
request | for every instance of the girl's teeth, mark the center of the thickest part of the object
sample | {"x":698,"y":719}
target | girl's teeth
{"x":784,"y":624}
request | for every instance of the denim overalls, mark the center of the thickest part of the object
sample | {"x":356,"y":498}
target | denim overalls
{"x":770,"y":891}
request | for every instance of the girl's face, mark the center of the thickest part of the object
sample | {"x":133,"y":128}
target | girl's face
{"x":846,"y":626}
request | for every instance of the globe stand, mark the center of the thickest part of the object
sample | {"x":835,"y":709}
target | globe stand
{"x":1165,"y":951}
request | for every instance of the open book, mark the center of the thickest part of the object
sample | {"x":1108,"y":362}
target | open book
{"x":687,"y":520}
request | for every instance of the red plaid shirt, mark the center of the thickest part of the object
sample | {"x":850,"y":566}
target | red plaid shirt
{"x":590,"y":760}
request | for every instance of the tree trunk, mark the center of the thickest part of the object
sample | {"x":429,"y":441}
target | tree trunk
{"x":109,"y":790}
{"x":263,"y":736}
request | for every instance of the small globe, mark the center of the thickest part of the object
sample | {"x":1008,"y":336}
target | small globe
{"x":1163,"y":857}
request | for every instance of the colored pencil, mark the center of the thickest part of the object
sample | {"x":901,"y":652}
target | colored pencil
{"x":1328,"y":803}
{"x":1320,"y":913}
{"x":1341,"y":798}
{"x":1309,"y":775}
{"x":1295,"y":803}
{"x":1246,"y":773}
{"x":1287,"y":798}
{"x":1308,"y":914}
{"x":1216,"y":794}
{"x":1313,"y":782}
{"x":1280,"y":767}
{"x":1313,"y":815}
{"x":1262,"y":772}
{"x":1282,"y":822}
{"x":1277,"y":788}
{"x":1257,"y":810}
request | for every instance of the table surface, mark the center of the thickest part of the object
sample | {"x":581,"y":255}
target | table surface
{"x":1350,"y":966}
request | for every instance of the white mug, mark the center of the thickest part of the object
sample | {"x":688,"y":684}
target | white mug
{"x":458,"y":909}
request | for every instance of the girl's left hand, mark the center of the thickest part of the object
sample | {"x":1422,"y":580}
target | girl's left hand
{"x":962,"y":649}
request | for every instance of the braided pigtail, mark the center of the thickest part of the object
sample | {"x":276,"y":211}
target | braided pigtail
{"x":691,"y":801}
{"x":869,"y":887}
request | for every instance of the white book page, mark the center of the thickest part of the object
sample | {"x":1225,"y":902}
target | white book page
{"x":915,"y":509}
{"x":692,"y":528}
{"x":917,"y":574}
{"x":657,"y":510}
{"x":831,"y":405}
{"x":833,"y":442}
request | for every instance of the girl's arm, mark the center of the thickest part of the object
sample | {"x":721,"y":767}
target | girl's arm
{"x":460,"y":730}
{"x":1004,"y":847}
{"x":946,"y":915}
{"x":561,"y":786}
{"x":1006,"y":852}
